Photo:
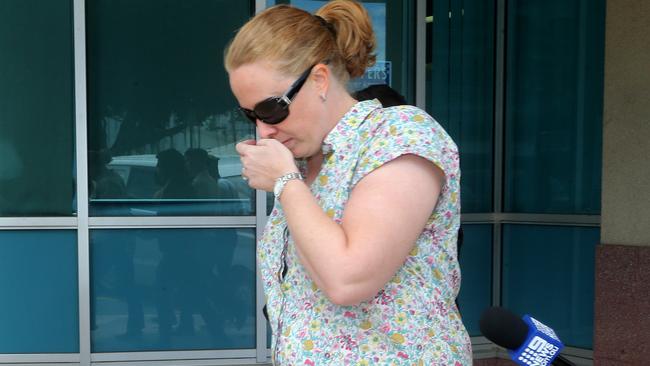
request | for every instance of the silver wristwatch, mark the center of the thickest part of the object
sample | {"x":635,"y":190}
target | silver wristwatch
{"x":282,"y":181}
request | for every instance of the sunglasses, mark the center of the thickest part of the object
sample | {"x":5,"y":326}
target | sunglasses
{"x":274,"y":110}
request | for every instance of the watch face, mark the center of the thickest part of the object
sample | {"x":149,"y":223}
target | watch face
{"x":277,"y":188}
{"x":282,"y":181}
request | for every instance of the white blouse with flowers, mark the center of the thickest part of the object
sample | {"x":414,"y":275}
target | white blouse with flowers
{"x":413,"y":320}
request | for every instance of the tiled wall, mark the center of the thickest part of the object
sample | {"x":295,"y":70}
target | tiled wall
{"x":622,"y":305}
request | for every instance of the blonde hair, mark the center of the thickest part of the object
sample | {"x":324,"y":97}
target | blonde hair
{"x":291,"y":39}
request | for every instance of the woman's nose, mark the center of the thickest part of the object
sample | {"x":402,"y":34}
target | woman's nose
{"x":266,"y":130}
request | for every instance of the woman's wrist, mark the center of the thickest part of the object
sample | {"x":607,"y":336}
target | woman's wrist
{"x":289,"y":168}
{"x":282,"y":181}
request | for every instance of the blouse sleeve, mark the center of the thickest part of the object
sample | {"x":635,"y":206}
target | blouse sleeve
{"x":397,"y":131}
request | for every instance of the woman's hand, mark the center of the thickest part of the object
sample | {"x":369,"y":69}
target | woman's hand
{"x":264,"y":161}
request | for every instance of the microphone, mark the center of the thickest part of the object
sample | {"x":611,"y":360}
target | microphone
{"x":528,"y":341}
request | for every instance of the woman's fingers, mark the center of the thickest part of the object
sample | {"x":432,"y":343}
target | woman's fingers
{"x":243,"y":146}
{"x":263,"y":161}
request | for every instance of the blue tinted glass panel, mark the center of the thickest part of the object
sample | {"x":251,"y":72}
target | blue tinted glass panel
{"x":162,"y":121}
{"x":39,"y":286}
{"x":172,"y":289}
{"x":36,"y":108}
{"x":554,"y":102}
{"x":460,"y":89}
{"x":475,"y":258}
{"x":548,"y":272}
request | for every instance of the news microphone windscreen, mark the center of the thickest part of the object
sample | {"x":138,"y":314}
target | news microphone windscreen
{"x":503,"y":328}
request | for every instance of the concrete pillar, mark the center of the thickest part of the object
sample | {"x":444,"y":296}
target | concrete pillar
{"x":622,"y":304}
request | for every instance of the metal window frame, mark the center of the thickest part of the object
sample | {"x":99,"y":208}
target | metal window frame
{"x":209,"y":355}
{"x":499,"y":119}
{"x":420,"y":54}
{"x":49,"y":358}
{"x":263,"y":354}
{"x":38,"y":223}
{"x":81,"y":148}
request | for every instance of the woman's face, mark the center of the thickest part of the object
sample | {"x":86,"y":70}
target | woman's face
{"x":301,"y":132}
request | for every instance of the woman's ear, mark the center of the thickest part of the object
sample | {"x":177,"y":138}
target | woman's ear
{"x":321,"y":76}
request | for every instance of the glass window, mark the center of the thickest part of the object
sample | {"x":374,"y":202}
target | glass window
{"x":162,"y":121}
{"x":36,"y":108}
{"x":460,"y":89}
{"x":172,"y":289}
{"x":554,"y":91}
{"x":39,"y":311}
{"x":475,"y":257}
{"x":548,"y":272}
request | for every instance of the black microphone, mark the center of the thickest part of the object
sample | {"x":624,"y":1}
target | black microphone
{"x":507,"y":330}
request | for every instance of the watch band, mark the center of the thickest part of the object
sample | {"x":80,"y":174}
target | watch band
{"x":282,"y":181}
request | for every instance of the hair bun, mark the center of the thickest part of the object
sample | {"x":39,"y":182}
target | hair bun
{"x":354,"y":34}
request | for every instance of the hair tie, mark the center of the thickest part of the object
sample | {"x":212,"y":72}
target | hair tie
{"x":326,"y":24}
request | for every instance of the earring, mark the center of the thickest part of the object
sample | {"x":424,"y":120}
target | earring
{"x":323,"y":97}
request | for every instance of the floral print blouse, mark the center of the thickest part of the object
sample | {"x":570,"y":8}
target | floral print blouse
{"x":413,"y":320}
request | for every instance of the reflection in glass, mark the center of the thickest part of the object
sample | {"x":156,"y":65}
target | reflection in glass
{"x":36,"y":108}
{"x":554,"y":106}
{"x":162,"y":120}
{"x":475,"y":257}
{"x":460,"y":90}
{"x":39,"y":286}
{"x":548,"y":272}
{"x":172,"y":289}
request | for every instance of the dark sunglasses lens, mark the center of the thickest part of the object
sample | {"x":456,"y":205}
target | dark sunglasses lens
{"x":271,"y":111}
{"x":248,"y":114}
{"x":280,"y":116}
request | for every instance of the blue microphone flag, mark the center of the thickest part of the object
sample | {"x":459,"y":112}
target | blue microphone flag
{"x":541,"y":347}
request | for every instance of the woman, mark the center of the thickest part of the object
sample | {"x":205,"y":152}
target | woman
{"x":358,"y":258}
